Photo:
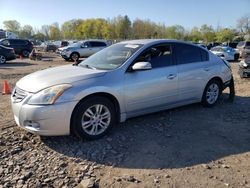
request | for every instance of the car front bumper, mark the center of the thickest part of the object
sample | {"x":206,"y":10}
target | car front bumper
{"x":44,"y":120}
{"x":11,"y":56}
{"x":65,"y":54}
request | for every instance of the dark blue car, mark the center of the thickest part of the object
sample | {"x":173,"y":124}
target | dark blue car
{"x":6,"y":54}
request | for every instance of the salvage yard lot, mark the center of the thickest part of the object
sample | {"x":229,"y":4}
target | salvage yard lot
{"x":191,"y":146}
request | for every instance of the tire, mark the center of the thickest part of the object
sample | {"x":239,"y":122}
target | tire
{"x":25,"y":53}
{"x":2,"y":59}
{"x":211,"y":93}
{"x":88,"y":123}
{"x":74,"y":56}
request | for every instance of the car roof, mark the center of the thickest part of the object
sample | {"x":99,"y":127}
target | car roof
{"x":148,"y":41}
{"x":93,"y":40}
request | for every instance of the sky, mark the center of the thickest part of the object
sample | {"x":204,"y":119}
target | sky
{"x":188,"y":13}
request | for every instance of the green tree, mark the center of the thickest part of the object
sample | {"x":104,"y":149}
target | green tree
{"x":55,"y":33}
{"x":45,"y":30}
{"x":208,"y":33}
{"x":225,"y":35}
{"x":122,"y":26}
{"x":39,"y":36}
{"x":195,"y":35}
{"x":72,"y":29}
{"x":26,"y":32}
{"x":12,"y":26}
{"x":175,"y":32}
{"x":147,"y":29}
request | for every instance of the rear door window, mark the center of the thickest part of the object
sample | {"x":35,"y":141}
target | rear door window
{"x":97,"y":44}
{"x":186,"y":53}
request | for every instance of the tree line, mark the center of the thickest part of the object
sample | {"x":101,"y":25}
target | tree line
{"x":122,"y":28}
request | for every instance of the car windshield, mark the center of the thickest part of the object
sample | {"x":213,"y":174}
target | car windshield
{"x":112,"y":57}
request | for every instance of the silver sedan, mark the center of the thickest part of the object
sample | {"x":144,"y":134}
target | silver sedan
{"x":125,"y":80}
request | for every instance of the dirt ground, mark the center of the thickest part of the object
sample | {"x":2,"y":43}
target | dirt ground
{"x":191,"y":146}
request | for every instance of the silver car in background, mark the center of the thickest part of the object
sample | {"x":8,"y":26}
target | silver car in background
{"x":84,"y":48}
{"x":125,"y":80}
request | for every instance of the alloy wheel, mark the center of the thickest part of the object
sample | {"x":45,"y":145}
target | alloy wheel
{"x":2,"y":59}
{"x":96,"y":119}
{"x":212,"y":93}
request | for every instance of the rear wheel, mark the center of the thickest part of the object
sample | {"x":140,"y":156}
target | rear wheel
{"x":2,"y":59}
{"x":211,"y":93}
{"x":93,"y":118}
{"x":25,"y":53}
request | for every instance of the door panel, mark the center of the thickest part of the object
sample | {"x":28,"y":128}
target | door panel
{"x":194,"y":69}
{"x":151,"y":88}
{"x":192,"y":77}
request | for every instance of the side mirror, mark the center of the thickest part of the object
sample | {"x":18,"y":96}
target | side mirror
{"x":142,"y":66}
{"x":84,"y":46}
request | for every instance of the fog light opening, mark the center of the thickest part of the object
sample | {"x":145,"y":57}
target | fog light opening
{"x":32,"y":124}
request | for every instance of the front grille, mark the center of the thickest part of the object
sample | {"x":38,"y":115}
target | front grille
{"x":18,"y":95}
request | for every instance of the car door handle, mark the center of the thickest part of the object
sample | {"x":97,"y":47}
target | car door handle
{"x":171,"y":76}
{"x":206,"y":69}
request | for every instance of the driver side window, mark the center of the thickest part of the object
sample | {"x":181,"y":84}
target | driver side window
{"x":158,"y":56}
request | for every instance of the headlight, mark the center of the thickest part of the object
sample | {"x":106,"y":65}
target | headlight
{"x":49,"y":95}
{"x":244,"y":64}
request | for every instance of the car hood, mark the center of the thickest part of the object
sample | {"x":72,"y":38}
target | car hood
{"x":6,"y":47}
{"x":53,"y":76}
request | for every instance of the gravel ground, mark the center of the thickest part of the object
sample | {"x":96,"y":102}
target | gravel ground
{"x":191,"y":146}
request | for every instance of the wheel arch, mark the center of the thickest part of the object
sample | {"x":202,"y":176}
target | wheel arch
{"x":109,"y":96}
{"x":75,"y":52}
{"x":218,"y":79}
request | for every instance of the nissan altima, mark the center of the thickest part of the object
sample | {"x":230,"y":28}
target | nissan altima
{"x":125,"y":80}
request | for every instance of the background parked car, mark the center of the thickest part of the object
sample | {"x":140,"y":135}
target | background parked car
{"x":83,"y":49}
{"x":49,"y":47}
{"x":230,"y":44}
{"x":244,"y":65}
{"x":6,"y":54}
{"x":243,"y":46}
{"x":21,"y":46}
{"x":226,"y":53}
{"x":213,"y":44}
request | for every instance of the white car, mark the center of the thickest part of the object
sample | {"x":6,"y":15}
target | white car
{"x":226,"y":52}
{"x":125,"y":80}
{"x":82,"y":49}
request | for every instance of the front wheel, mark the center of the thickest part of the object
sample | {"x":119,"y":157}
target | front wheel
{"x":74,"y":56}
{"x":2,"y":59}
{"x":211,"y":93}
{"x":93,"y":118}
